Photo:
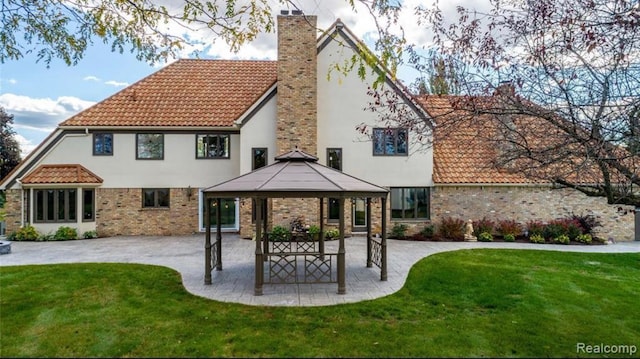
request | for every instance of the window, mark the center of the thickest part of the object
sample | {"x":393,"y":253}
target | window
{"x":334,"y":158}
{"x":55,"y":205}
{"x":259,"y":158}
{"x":88,"y":205}
{"x":410,"y":203}
{"x":390,"y":142}
{"x":334,"y":209}
{"x":155,"y":198}
{"x":212,"y":146}
{"x":103,"y":144}
{"x":149,"y":146}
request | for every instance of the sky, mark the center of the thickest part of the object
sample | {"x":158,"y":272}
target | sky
{"x":41,"y":97}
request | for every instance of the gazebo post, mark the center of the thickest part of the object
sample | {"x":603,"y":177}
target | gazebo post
{"x":207,"y":240}
{"x":383,"y":269}
{"x":259,"y":254}
{"x":218,"y":234}
{"x":369,"y":262}
{"x":264,"y":239}
{"x":342,"y":282}
{"x":321,"y":239}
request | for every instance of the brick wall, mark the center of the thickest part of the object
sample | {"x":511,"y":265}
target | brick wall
{"x":530,"y":203}
{"x":119,"y":212}
{"x":297,"y":84}
{"x":12,"y":208}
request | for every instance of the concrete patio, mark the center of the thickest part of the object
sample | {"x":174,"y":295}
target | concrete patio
{"x":235,"y":283}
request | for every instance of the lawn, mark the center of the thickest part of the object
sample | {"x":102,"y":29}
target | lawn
{"x":471,"y":303}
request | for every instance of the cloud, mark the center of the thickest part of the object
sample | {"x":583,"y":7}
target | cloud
{"x":116,"y":83}
{"x":12,"y":81}
{"x":43,"y":113}
{"x":26,"y":146}
{"x":91,"y":78}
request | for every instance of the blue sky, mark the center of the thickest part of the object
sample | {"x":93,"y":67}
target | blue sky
{"x":41,"y":97}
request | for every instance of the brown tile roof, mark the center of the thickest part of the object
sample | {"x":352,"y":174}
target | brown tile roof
{"x":460,"y":155}
{"x":61,"y":174}
{"x":187,"y":93}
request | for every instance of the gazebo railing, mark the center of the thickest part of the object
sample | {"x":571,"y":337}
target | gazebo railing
{"x":376,"y":251}
{"x":301,"y":267}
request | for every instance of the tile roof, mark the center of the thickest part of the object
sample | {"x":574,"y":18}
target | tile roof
{"x":460,"y":155}
{"x":186,"y":93}
{"x":61,"y":174}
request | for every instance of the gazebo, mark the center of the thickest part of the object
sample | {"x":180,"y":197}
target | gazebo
{"x":296,"y":174}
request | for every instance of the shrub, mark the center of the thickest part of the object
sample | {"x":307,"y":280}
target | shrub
{"x":554,"y":229}
{"x":314,"y":229}
{"x":508,"y":226}
{"x":90,"y":235}
{"x":26,"y":233}
{"x":297,"y":224}
{"x":584,"y":238}
{"x":452,"y":228}
{"x":399,"y":231}
{"x":280,"y":234}
{"x":483,"y":225}
{"x":587,"y":222}
{"x":573,"y":228}
{"x":485,"y":237}
{"x":509,"y":238}
{"x":331,"y":233}
{"x":535,"y":228}
{"x":562,"y":239}
{"x":46,"y":237}
{"x":428,"y":231}
{"x":66,"y":233}
{"x":536,"y":238}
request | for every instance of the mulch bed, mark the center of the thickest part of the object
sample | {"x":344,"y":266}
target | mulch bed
{"x":519,"y":239}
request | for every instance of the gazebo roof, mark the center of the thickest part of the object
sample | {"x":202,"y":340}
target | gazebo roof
{"x":296,"y":174}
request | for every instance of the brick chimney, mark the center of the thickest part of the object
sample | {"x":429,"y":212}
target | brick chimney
{"x":297,"y":83}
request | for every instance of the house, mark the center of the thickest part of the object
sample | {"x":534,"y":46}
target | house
{"x":136,"y":163}
{"x":469,"y":185}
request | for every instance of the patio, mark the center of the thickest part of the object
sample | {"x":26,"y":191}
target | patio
{"x":184,"y":254}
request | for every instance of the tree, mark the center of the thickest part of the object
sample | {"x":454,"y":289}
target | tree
{"x":9,"y":147}
{"x":64,"y":29}
{"x":559,"y":81}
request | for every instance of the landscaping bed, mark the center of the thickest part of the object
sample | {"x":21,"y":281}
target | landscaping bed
{"x":572,"y":230}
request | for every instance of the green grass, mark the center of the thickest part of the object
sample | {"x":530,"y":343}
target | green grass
{"x":473,"y":303}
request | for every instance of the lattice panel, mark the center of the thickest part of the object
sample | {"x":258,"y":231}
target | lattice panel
{"x":318,"y":270}
{"x":282,"y":269}
{"x":376,"y":253}
{"x":214,"y":255}
{"x":281,"y":247}
{"x":307,"y":246}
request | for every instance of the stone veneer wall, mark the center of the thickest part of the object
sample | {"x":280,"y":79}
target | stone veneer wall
{"x":530,"y":203}
{"x":297,"y":84}
{"x":119,"y":212}
{"x":12,"y":208}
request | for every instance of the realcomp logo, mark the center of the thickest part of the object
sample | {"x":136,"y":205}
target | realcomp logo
{"x":606,"y":349}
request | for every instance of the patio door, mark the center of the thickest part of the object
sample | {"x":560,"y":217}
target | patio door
{"x":229,"y":213}
{"x":359,"y":215}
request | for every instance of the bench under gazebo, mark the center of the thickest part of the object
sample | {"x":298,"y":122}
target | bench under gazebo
{"x":296,"y":174}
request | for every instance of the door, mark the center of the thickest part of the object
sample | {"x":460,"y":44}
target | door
{"x":359,"y":215}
